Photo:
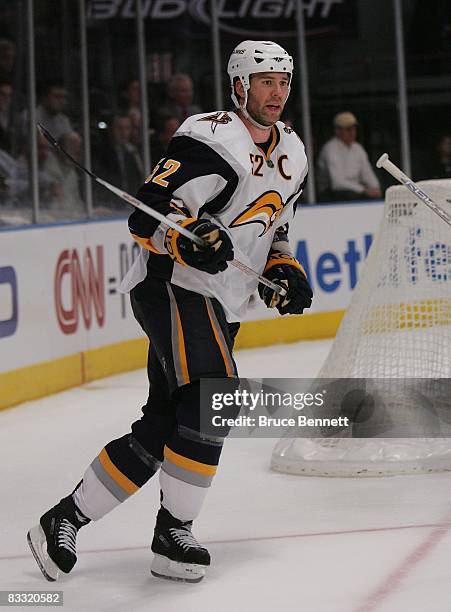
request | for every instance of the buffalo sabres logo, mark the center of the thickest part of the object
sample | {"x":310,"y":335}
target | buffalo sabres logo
{"x":221,"y":118}
{"x":265,"y":210}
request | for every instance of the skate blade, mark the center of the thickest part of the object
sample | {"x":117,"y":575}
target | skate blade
{"x":162,"y":567}
{"x":38,"y":545}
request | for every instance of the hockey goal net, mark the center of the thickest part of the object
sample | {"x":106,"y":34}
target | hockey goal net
{"x":397,"y":326}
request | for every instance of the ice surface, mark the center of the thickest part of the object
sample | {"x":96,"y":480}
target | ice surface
{"x":278,"y":542}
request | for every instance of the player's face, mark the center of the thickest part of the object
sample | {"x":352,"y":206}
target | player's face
{"x":267,"y":95}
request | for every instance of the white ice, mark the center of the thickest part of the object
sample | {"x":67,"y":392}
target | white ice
{"x":278,"y":542}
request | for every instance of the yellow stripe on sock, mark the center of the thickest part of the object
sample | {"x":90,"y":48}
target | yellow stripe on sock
{"x":189,"y":464}
{"x":120,"y":478}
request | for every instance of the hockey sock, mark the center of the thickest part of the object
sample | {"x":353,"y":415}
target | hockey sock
{"x":120,"y":470}
{"x":191,"y":459}
{"x":187,"y":472}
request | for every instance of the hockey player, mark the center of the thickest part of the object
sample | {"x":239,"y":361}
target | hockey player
{"x":233,"y":179}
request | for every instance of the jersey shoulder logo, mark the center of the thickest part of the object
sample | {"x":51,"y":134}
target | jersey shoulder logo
{"x":265,"y":210}
{"x":220,"y":118}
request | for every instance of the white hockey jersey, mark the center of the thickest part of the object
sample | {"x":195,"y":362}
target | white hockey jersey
{"x":214,"y":169}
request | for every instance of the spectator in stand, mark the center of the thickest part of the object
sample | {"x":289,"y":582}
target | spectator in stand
{"x":180,"y":92}
{"x":343,"y":169}
{"x":52,"y":104}
{"x":117,"y":161}
{"x":130,"y":97}
{"x":130,"y":104}
{"x":50,"y":189}
{"x":167,"y":125}
{"x":136,"y":134}
{"x":64,"y":173}
{"x":7,"y":58}
{"x":8,"y":119}
{"x":439,"y":164}
{"x":8,"y":174}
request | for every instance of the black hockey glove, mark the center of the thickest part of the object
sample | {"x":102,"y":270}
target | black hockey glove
{"x":213,"y":258}
{"x":292,"y":277}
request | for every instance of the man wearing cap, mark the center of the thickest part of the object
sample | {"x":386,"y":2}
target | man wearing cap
{"x":344,"y":171}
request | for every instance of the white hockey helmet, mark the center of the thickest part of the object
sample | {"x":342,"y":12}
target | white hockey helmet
{"x":253,"y":56}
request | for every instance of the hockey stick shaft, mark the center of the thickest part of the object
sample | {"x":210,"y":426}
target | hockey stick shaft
{"x":155,"y":214}
{"x":391,"y":168}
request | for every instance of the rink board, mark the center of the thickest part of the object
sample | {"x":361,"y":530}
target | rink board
{"x":63,"y":321}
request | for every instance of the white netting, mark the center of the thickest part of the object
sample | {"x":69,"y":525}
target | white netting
{"x":397,"y":326}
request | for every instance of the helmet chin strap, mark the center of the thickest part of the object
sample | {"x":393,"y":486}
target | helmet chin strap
{"x":251,"y":119}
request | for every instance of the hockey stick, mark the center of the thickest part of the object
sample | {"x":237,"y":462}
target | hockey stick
{"x":155,"y":214}
{"x":384,"y":162}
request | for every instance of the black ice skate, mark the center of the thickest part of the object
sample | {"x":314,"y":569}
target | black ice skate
{"x":53,"y":541}
{"x":178,"y":555}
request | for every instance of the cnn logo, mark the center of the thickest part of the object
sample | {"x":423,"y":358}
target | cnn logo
{"x":79,"y":289}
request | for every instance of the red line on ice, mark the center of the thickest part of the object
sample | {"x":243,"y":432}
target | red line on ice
{"x":446,"y":525}
{"x":390,"y":584}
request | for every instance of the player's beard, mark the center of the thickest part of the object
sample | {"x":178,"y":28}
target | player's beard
{"x":262,"y":118}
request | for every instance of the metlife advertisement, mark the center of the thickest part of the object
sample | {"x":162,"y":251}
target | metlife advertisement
{"x":332,"y":243}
